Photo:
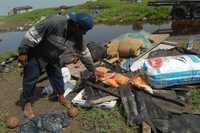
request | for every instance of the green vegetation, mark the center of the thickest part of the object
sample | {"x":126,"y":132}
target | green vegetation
{"x":122,"y":12}
{"x":5,"y":55}
{"x":29,"y":16}
{"x":196,"y":100}
{"x":3,"y":128}
{"x":104,"y":121}
{"x":109,"y":12}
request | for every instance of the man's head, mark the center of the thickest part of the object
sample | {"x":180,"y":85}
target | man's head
{"x":82,"y":22}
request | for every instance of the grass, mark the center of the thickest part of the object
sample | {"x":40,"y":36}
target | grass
{"x":112,"y":121}
{"x":29,"y":16}
{"x":196,"y":100}
{"x":5,"y":55}
{"x":122,"y":12}
{"x":104,"y":121}
{"x":3,"y":128}
{"x":109,"y":12}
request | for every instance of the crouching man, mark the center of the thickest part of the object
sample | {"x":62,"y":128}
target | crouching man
{"x":42,"y":48}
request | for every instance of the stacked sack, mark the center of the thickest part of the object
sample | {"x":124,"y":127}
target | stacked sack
{"x":168,"y":71}
{"x":124,"y":48}
{"x":128,"y":45}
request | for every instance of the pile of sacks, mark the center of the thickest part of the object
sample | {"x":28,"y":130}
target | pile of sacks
{"x":128,"y":45}
{"x":124,"y":48}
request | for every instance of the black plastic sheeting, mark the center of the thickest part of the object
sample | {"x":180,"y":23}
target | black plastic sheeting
{"x":53,"y":122}
{"x":98,"y":51}
{"x":160,"y":120}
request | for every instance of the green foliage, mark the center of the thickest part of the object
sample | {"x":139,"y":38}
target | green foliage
{"x":7,"y":54}
{"x":29,"y":16}
{"x":122,"y":12}
{"x":104,"y":121}
{"x":110,"y":12}
{"x":196,"y":100}
{"x":3,"y":128}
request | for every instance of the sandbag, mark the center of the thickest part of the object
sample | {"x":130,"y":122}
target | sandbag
{"x":130,"y":47}
{"x":131,"y":42}
{"x":112,"y":49}
{"x":167,"y":71}
{"x":124,"y":48}
{"x":142,"y":35}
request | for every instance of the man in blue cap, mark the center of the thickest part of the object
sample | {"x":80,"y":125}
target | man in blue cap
{"x":49,"y":44}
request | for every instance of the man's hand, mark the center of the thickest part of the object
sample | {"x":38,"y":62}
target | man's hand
{"x":23,"y":59}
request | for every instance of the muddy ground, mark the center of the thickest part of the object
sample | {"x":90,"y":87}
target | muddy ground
{"x":10,"y":84}
{"x":89,"y":120}
{"x":16,"y":26}
{"x":10,"y":90}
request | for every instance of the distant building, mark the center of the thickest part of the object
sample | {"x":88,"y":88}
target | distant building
{"x":19,"y":10}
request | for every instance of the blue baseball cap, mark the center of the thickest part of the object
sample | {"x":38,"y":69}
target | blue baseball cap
{"x":83,"y":19}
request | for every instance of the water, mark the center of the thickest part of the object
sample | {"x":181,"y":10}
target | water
{"x":10,"y":40}
{"x":100,"y":33}
{"x":7,"y":5}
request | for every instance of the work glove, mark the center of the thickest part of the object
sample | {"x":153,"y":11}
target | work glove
{"x":23,"y":59}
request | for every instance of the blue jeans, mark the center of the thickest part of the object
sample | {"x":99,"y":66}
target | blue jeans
{"x":32,"y":72}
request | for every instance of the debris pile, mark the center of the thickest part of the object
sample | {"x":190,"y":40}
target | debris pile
{"x":153,"y":91}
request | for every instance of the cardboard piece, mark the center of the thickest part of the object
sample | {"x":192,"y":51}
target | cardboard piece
{"x":158,"y":38}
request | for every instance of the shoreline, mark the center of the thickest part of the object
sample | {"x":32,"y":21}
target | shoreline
{"x":14,"y":27}
{"x":110,"y":12}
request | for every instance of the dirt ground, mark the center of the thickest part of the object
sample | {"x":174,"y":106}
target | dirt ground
{"x":10,"y":91}
{"x":9,"y":26}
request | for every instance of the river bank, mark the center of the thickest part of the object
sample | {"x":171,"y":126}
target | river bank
{"x":103,"y":12}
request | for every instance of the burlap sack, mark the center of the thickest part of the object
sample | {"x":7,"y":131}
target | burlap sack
{"x":130,"y":47}
{"x":112,"y":49}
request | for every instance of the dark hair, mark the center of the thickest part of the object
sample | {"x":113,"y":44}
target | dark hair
{"x":74,"y":24}
{"x":71,"y":22}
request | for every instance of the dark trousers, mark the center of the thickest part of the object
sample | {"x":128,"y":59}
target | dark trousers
{"x":32,"y":71}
